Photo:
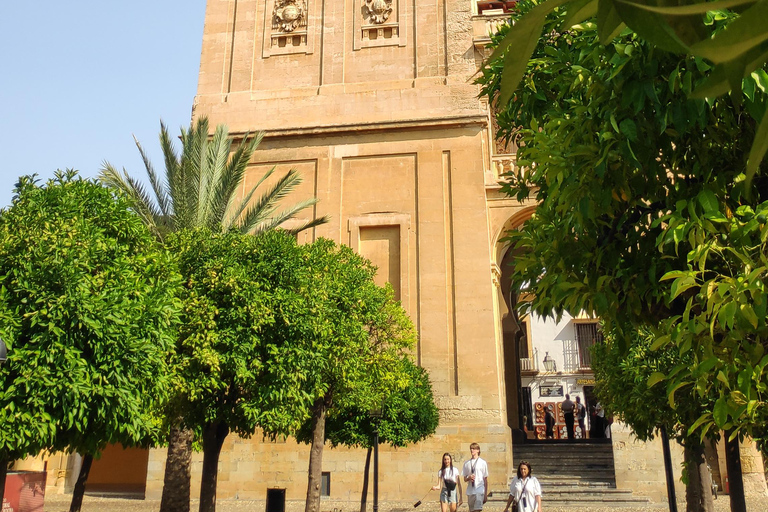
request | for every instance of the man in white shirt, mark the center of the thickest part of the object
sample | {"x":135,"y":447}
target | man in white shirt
{"x":475,"y":473}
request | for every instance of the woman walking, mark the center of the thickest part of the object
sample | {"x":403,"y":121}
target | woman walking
{"x":449,"y":484}
{"x":524,"y":491}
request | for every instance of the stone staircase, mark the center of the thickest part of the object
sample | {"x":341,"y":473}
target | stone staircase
{"x":574,"y":474}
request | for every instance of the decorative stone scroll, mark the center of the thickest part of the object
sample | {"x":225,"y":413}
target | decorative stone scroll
{"x":288,"y":15}
{"x":377,"y":11}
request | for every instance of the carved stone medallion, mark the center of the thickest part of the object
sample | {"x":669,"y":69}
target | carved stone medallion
{"x":289,"y":14}
{"x":378,"y":10}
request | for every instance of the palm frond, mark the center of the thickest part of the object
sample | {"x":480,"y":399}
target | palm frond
{"x":174,"y":175}
{"x":231,"y":179}
{"x":275,"y":220}
{"x":194,"y":143}
{"x":211,"y":175}
{"x":158,"y":187}
{"x":133,"y":190}
{"x":309,"y":224}
{"x":267,"y":203}
{"x":234,"y":215}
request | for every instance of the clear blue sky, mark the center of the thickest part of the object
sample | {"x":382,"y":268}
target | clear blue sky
{"x":78,"y":78}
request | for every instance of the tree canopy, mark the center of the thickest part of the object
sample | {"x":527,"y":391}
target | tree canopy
{"x":87,"y":307}
{"x":735,"y":51}
{"x":634,"y":181}
{"x":352,"y":335}
{"x":228,"y":362}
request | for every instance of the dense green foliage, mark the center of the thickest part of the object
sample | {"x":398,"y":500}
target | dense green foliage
{"x":233,"y":286}
{"x":201,"y":189}
{"x":408,"y":413}
{"x":353,"y":335}
{"x":87,"y":302}
{"x":622,"y":377}
{"x":635,"y":181}
{"x":684,"y":29}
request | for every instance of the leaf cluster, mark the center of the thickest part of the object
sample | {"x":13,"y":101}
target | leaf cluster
{"x":626,"y":385}
{"x":269,"y":326}
{"x":723,"y":325}
{"x":87,"y":308}
{"x":408,"y":414}
{"x":735,"y":51}
{"x":635,"y":181}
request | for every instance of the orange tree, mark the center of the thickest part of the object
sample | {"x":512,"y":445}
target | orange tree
{"x":87,"y":308}
{"x":646,"y":216}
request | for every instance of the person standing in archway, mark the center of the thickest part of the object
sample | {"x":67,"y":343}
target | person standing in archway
{"x":581,"y":414}
{"x":567,"y":406}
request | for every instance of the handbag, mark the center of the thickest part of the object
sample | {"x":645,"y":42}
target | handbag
{"x":449,"y":483}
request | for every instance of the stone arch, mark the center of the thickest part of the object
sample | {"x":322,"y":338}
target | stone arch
{"x":512,"y":333}
{"x":513,"y":222}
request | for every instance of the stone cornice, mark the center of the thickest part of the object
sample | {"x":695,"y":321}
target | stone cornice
{"x":462,"y":121}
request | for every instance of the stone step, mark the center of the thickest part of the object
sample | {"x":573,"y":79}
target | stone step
{"x":572,"y":483}
{"x":574,"y":496}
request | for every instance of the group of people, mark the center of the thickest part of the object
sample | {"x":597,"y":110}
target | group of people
{"x":575,"y":413}
{"x":524,"y":490}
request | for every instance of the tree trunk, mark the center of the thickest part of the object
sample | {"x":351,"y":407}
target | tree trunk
{"x":364,"y":496}
{"x":671,"y":498}
{"x":698,"y":492}
{"x":3,"y":474}
{"x":178,"y":473}
{"x":214,"y":435}
{"x":693,"y":488}
{"x":735,"y":480}
{"x":316,"y":456}
{"x":79,"y":491}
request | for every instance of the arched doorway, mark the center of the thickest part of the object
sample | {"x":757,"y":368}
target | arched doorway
{"x":513,"y":331}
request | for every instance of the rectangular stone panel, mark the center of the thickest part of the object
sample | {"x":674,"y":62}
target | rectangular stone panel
{"x":381,"y":245}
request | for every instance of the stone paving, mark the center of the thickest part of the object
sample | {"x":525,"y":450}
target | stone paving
{"x":60,"y":503}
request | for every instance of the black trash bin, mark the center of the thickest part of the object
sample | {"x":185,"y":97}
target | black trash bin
{"x":275,"y":500}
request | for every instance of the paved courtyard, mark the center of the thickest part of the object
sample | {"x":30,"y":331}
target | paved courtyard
{"x":60,"y":503}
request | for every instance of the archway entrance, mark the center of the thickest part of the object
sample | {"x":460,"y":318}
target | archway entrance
{"x":515,"y":336}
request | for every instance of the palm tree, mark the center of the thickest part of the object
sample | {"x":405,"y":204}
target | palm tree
{"x":201,"y":184}
{"x":200,"y":189}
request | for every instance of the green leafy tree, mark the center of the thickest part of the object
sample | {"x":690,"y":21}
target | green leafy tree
{"x":631,"y":176}
{"x":200,"y":189}
{"x":684,"y":29}
{"x":408,"y":415}
{"x":623,"y":378}
{"x":350,"y":335}
{"x":228,"y":355}
{"x":87,"y":307}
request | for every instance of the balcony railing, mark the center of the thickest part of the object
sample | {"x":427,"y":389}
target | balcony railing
{"x":485,"y":25}
{"x":528,"y":364}
{"x":500,"y":165}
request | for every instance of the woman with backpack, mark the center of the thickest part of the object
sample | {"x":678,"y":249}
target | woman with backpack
{"x":449,"y":484}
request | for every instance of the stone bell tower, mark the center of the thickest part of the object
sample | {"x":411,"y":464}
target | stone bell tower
{"x":372,"y":102}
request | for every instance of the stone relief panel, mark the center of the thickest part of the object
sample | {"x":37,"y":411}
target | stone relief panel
{"x":288,"y":15}
{"x":288,"y":27}
{"x":380,"y":23}
{"x":377,"y":11}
